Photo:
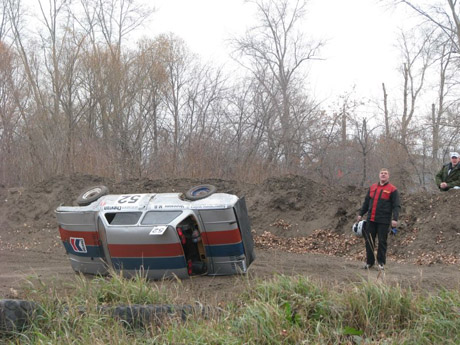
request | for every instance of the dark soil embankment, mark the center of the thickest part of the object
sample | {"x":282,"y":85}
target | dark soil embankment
{"x":306,"y":226}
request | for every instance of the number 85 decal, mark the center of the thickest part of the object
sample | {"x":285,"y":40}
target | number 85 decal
{"x":129,"y":199}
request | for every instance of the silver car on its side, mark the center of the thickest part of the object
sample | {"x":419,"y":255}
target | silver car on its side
{"x":157,"y":234}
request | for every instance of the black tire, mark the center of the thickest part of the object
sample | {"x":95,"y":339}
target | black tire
{"x":91,"y":194}
{"x":200,"y":192}
{"x":15,"y":315}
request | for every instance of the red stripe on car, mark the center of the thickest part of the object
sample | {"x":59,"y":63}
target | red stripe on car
{"x":222,"y":237}
{"x":91,"y":237}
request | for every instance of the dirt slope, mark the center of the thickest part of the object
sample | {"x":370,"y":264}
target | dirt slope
{"x":300,"y":227}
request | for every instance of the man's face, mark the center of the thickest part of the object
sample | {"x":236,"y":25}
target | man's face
{"x":384,"y":176}
{"x":454,"y":160}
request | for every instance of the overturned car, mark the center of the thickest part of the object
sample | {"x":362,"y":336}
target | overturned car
{"x":158,"y":235}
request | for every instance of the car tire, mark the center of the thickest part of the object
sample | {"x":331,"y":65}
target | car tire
{"x":200,"y":192}
{"x":15,"y":315}
{"x":91,"y":194}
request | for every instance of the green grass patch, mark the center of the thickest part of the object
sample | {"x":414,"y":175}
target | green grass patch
{"x":281,"y":310}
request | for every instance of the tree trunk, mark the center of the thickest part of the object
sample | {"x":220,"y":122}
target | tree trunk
{"x":385,"y":112}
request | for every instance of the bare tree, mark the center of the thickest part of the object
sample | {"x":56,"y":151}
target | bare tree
{"x":365,"y":140}
{"x":107,"y":24}
{"x":177,"y":61}
{"x":444,"y":14}
{"x":4,"y":27}
{"x":442,"y":18}
{"x":33,"y":113}
{"x":274,"y":52}
{"x":205,"y":92}
{"x":417,"y":57}
{"x":445,"y":86}
{"x":112,"y":21}
{"x":9,"y":117}
{"x":61,"y":46}
{"x":150,"y":96}
{"x":386,"y":112}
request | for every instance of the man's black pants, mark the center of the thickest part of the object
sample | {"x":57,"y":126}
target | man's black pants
{"x":372,"y":230}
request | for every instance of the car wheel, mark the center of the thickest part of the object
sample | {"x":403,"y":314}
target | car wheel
{"x":15,"y":315}
{"x":200,"y":192}
{"x":91,"y":194}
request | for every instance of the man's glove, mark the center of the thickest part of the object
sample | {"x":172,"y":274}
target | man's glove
{"x":394,"y":231}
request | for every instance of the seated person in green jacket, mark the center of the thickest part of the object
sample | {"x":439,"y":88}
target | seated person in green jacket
{"x":449,"y":175}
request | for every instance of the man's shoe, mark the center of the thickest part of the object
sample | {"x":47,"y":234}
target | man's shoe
{"x":367,"y":266}
{"x":381,"y":267}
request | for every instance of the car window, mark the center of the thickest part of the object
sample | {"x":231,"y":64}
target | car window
{"x":160,"y":217}
{"x":123,"y":218}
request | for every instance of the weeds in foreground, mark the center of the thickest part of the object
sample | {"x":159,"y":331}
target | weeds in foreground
{"x":282,"y":310}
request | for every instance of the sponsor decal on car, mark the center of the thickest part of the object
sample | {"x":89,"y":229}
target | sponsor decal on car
{"x":78,"y":244}
{"x":112,"y":208}
{"x":129,"y":199}
{"x":174,"y":206}
{"x":158,"y":230}
{"x":208,"y":206}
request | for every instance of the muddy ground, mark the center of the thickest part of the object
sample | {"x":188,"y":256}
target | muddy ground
{"x":300,"y":227}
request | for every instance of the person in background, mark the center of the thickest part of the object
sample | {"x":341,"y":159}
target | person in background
{"x":382,"y":206}
{"x":449,"y":175}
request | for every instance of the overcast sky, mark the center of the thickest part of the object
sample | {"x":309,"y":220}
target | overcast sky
{"x":361,"y":38}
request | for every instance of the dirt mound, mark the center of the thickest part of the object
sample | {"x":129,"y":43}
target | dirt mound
{"x":291,"y":215}
{"x":295,"y":206}
{"x":429,"y":228}
{"x":36,"y":205}
{"x":284,"y":207}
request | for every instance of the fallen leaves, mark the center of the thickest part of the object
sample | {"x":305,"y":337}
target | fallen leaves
{"x":331,"y":243}
{"x":320,"y":241}
{"x":437,"y":258}
{"x":281,"y":223}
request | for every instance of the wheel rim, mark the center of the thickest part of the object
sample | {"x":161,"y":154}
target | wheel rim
{"x":91,"y":193}
{"x":201,"y":191}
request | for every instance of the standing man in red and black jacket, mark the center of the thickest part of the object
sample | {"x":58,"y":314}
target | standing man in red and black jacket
{"x":382,"y":206}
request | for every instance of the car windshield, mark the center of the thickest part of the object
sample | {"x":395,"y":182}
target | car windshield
{"x":160,"y":217}
{"x":123,"y":218}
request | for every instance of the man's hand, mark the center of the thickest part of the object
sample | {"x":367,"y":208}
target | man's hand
{"x":443,"y":185}
{"x":394,"y":224}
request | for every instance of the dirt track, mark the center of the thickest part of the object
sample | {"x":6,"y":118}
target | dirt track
{"x":300,"y":228}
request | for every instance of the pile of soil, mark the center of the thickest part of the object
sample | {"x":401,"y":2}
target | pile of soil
{"x":306,"y":226}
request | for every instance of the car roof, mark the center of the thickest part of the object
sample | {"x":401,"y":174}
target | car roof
{"x":164,"y":201}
